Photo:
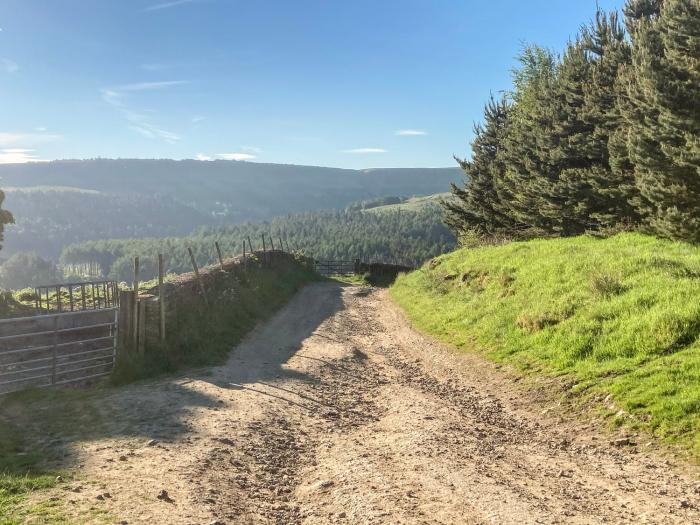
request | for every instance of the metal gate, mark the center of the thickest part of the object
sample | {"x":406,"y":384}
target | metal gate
{"x":57,"y":349}
{"x":328,"y":268}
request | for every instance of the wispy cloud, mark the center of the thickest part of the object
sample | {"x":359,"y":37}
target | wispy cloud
{"x":9,"y":66}
{"x":411,"y":133}
{"x":197,"y":119}
{"x":11,"y":140}
{"x":235,"y":156}
{"x":149,"y":86}
{"x":153,"y":132}
{"x":365,"y":151}
{"x":202,"y":156}
{"x":167,"y":5}
{"x":18,"y":156}
{"x":16,"y":148}
{"x":251,"y":149}
{"x":139,"y":121}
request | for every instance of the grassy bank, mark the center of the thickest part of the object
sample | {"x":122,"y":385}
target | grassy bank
{"x":204,"y":335}
{"x":618,"y":316}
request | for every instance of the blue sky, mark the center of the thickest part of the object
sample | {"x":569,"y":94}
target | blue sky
{"x":348,"y":83}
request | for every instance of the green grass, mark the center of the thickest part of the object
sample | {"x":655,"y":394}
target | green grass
{"x":20,"y":476}
{"x":366,"y":279}
{"x":31,"y":449}
{"x":619,"y":316}
{"x":414,"y":204}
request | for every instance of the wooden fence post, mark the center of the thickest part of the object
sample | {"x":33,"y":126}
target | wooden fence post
{"x":141,"y":327}
{"x":135,"y":313}
{"x":126,"y":327}
{"x":196,"y":274}
{"x":245,"y":262}
{"x":264,"y":250}
{"x":218,"y":252}
{"x":161,"y":294}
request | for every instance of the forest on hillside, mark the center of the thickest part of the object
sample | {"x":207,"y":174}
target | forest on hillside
{"x":62,"y":202}
{"x":401,"y":237}
{"x":48,"y":221}
{"x":602,"y":138}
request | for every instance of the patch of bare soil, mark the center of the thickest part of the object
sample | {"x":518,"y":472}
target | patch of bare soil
{"x":336,"y":411}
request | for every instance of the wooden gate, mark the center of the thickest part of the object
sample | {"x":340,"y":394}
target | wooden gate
{"x":57,"y":349}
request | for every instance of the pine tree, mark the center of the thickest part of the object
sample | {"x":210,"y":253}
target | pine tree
{"x":547,"y":148}
{"x":520,"y":186}
{"x":558,"y":153}
{"x":477,"y":205}
{"x":610,"y":174}
{"x":663,"y":114}
{"x":567,"y":147}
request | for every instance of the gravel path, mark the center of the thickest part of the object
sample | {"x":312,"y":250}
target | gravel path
{"x":336,"y":411}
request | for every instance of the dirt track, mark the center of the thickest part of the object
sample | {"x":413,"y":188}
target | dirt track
{"x":337,"y":412}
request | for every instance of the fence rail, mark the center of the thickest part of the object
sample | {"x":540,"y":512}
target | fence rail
{"x":71,"y":297}
{"x":57,"y":349}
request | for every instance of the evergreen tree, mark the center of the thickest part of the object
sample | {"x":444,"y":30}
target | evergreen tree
{"x":610,"y":174}
{"x":558,"y":150}
{"x":663,"y":115}
{"x":478,"y":205}
{"x":548,"y":147}
{"x":566,"y":147}
{"x":520,"y":187}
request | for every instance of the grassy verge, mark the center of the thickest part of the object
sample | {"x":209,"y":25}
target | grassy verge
{"x":366,"y":279}
{"x":20,"y":476}
{"x":205,"y":335}
{"x":35,"y":427}
{"x":618,"y":317}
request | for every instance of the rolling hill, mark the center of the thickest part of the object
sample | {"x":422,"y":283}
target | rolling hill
{"x":60,"y":202}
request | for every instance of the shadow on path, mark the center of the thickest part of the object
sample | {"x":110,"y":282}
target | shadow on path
{"x":50,"y":422}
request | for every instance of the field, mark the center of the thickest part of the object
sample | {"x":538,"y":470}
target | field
{"x":414,"y":204}
{"x":616,"y":319}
